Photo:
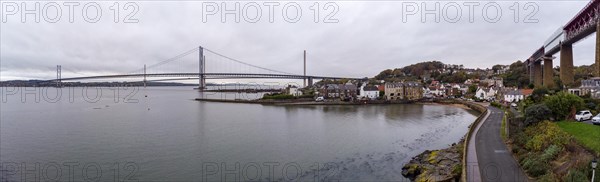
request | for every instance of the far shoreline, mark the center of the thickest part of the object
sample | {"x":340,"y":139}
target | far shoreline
{"x":447,"y":102}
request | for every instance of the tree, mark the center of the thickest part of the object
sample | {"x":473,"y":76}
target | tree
{"x":536,"y":113}
{"x":516,"y":76}
{"x":558,"y":86}
{"x":564,"y":105}
{"x":538,"y":94}
{"x":472,"y":89}
{"x":497,"y":67}
{"x":384,"y":74}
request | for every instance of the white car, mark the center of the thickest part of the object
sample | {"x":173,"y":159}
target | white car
{"x":513,"y":105}
{"x":583,"y":115}
{"x":320,"y":99}
{"x":596,"y":119}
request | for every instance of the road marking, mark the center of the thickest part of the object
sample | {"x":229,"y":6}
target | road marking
{"x":500,"y":151}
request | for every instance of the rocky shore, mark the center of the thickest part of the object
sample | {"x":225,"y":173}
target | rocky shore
{"x":436,"y":165}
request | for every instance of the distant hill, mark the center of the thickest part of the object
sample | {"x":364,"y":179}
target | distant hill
{"x":411,"y":71}
{"x":431,"y":70}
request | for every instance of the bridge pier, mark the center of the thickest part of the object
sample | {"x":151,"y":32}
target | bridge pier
{"x":310,"y":81}
{"x":566,"y":64}
{"x":597,"y":66}
{"x":548,"y":72}
{"x":201,"y":69}
{"x":144,"y":75}
{"x":537,"y":73}
{"x":58,"y":75}
{"x":530,"y":70}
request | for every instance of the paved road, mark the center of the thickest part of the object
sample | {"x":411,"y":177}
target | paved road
{"x":494,"y":160}
{"x":588,"y":121}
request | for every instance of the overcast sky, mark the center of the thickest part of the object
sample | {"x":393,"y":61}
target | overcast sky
{"x":367,"y":38}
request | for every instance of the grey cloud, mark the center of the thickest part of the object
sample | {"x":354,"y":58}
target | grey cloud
{"x":369,"y":37}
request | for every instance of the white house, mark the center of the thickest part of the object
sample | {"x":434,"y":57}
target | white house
{"x":427,"y":93}
{"x":293,"y":90}
{"x":513,"y":96}
{"x":485,"y":93}
{"x":437,"y":91}
{"x":590,"y":86}
{"x":370,"y":92}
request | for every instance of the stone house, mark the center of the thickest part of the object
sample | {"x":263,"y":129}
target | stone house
{"x":394,"y":91}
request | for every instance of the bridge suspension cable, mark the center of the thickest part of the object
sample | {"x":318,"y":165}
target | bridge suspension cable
{"x":247,"y":64}
{"x":167,"y":60}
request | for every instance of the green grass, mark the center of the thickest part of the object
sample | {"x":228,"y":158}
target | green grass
{"x":585,"y":134}
{"x":279,"y":97}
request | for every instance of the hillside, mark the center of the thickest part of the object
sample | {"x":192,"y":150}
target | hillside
{"x":431,"y":70}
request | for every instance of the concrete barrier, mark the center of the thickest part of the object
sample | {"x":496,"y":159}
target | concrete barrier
{"x":472,"y":128}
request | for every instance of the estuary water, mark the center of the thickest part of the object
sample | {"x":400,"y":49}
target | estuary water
{"x":162,"y":134}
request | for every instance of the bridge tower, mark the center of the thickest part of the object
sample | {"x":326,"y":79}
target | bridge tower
{"x":58,"y":75}
{"x":144,"y":75}
{"x":201,"y":69}
{"x":305,"y":69}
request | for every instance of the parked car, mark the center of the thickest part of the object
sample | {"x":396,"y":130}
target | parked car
{"x":513,"y":105}
{"x":583,"y":115}
{"x":320,"y":99}
{"x":596,"y":119}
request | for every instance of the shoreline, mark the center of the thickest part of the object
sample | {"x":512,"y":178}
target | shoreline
{"x":311,"y":102}
{"x":452,"y":165}
{"x":447,"y":102}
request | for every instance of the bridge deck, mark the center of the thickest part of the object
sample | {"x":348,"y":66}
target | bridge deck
{"x":207,"y":76}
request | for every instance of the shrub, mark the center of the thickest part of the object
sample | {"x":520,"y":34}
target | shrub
{"x":551,"y":152}
{"x":536,"y":113}
{"x":590,"y":106}
{"x":545,"y":134}
{"x":520,"y":139}
{"x":563,"y":104}
{"x":575,"y":175}
{"x":525,"y":104}
{"x":496,"y":104}
{"x":538,"y":94}
{"x":548,"y":177}
{"x":535,"y":166}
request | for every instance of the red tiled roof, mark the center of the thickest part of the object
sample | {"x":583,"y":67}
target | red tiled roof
{"x":526,"y":91}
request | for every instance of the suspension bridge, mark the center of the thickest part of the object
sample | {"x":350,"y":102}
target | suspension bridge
{"x":210,"y":65}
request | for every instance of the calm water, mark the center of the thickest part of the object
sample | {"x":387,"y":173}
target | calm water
{"x":167,"y":136}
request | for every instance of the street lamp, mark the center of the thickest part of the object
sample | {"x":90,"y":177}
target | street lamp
{"x":594,"y":164}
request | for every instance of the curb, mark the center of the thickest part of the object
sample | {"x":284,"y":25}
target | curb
{"x":474,"y":128}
